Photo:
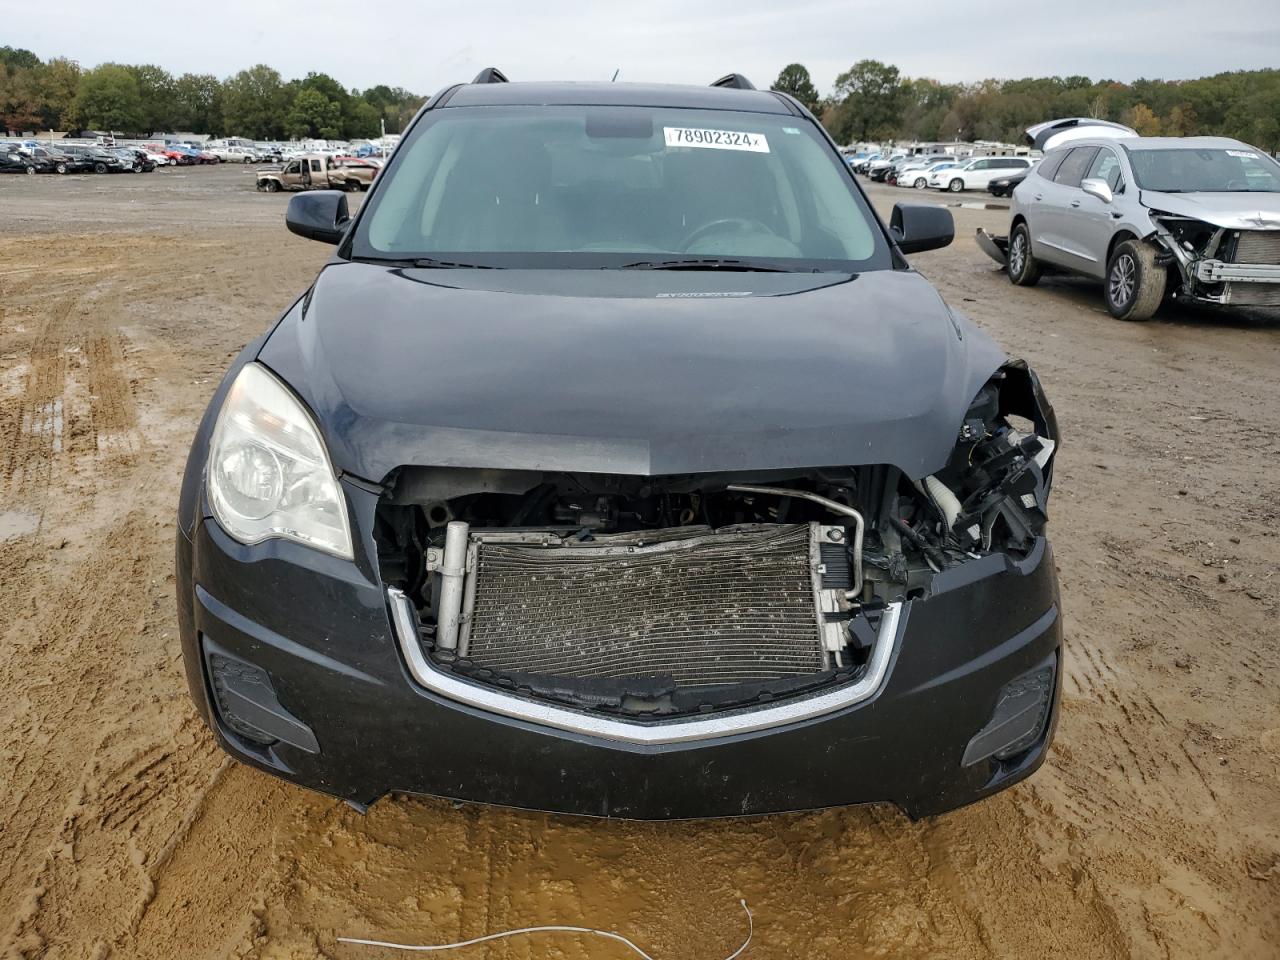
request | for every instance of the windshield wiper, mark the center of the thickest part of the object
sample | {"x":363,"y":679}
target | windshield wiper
{"x":424,"y":263}
{"x":705,"y":263}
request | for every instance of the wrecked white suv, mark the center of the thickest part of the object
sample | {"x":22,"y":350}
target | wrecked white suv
{"x":1192,"y":218}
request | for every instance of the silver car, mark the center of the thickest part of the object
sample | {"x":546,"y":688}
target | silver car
{"x":1195,"y":218}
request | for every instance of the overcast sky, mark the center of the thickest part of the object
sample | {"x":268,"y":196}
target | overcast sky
{"x":425,"y":46}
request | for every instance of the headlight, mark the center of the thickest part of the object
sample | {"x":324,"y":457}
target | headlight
{"x":268,"y":472}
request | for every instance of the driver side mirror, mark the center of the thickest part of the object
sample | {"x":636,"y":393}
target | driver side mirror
{"x":318,"y":215}
{"x":921,"y":226}
{"x":1097,"y":188}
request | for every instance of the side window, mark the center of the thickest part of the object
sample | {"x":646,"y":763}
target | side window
{"x":1073,"y":168}
{"x":315,"y":166}
{"x":292,"y":167}
{"x":1051,"y":162}
{"x":1106,"y":166}
{"x":982,"y":165}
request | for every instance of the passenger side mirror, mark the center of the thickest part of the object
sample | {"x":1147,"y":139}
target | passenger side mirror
{"x":921,"y":226}
{"x":1097,"y":188}
{"x":318,"y":215}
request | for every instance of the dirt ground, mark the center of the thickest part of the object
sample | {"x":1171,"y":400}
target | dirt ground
{"x":1153,"y":830}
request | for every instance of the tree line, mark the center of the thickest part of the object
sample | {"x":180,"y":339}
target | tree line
{"x":873,"y":101}
{"x":143,"y":99}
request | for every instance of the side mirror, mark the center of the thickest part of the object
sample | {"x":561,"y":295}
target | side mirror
{"x":921,"y":226}
{"x":318,"y":215}
{"x":1097,"y":188}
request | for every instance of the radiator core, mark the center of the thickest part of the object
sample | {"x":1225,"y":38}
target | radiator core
{"x":726,"y":606}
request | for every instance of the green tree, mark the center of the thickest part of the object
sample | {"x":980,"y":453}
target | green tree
{"x":314,"y":115}
{"x":197,"y":101}
{"x":19,"y":100}
{"x":360,"y":119}
{"x":16,"y":58}
{"x":795,"y":80}
{"x":870,"y":97}
{"x":254,"y":103}
{"x":108,"y":99}
{"x":156,"y":88}
{"x":59,"y":81}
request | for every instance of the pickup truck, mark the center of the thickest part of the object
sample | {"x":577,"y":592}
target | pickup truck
{"x":312,"y":171}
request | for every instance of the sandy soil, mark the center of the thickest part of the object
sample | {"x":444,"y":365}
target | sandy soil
{"x":1153,"y":831}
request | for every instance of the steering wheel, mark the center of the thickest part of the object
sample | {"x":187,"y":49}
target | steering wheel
{"x":742,"y":224}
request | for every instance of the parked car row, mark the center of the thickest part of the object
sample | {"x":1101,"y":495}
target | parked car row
{"x":944,"y":171}
{"x":76,"y":158}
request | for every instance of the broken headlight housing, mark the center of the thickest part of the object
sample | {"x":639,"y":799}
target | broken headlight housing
{"x":268,"y":473}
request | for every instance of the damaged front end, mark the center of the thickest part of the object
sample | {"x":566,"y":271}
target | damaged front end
{"x":656,"y":608}
{"x":1223,"y":265}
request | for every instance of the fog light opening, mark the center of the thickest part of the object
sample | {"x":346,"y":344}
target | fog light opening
{"x":1019,"y":719}
{"x":247,"y":704}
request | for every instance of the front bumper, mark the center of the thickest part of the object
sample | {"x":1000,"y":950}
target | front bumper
{"x":322,"y":631}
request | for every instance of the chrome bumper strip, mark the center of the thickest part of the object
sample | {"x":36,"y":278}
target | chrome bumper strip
{"x":747,"y":720}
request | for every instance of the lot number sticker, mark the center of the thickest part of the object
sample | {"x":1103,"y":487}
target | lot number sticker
{"x":716,"y":139}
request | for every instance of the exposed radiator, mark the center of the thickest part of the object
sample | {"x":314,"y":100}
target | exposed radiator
{"x":1257,"y":246}
{"x":728,"y":606}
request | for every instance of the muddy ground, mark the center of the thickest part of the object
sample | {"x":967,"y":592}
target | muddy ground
{"x":1153,"y":831}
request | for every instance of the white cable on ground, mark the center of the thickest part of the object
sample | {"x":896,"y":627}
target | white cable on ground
{"x":550,"y":929}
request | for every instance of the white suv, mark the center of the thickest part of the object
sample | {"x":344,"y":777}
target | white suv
{"x":977,"y":173}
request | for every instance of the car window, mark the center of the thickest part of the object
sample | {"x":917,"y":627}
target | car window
{"x":1050,"y":163}
{"x":608,"y":185}
{"x":1074,"y":166}
{"x":1106,"y":166}
{"x":1201,"y":170}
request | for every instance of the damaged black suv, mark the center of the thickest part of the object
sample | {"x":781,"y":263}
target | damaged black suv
{"x":617,"y":463}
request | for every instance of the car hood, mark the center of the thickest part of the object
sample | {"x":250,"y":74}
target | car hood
{"x":1234,"y":211}
{"x":632,"y":372}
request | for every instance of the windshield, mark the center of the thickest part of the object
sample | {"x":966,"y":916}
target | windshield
{"x":597,"y":186}
{"x":1205,"y":171}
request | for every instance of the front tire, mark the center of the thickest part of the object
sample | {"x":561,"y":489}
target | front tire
{"x":61,"y":168}
{"x":1135,"y":282}
{"x":99,"y":167}
{"x":272,"y":186}
{"x":920,"y":183}
{"x":956,"y":185}
{"x":1023,"y":269}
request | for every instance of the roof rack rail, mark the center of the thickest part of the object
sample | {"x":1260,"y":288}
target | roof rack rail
{"x":490,"y":75}
{"x":734,"y":81}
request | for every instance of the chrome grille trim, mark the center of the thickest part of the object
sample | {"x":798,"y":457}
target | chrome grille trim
{"x":404,"y":621}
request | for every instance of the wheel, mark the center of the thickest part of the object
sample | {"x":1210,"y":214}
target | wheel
{"x":247,"y":160}
{"x":920,"y":183}
{"x":273,"y":186}
{"x":1135,"y":282}
{"x":61,"y":167}
{"x":31,"y":171}
{"x":956,"y":185}
{"x":1022,"y":267}
{"x":99,"y":167}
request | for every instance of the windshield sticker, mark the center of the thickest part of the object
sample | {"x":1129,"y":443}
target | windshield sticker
{"x":716,"y":139}
{"x":1242,"y":153}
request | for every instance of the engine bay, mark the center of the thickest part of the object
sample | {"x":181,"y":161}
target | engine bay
{"x":670,"y":594}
